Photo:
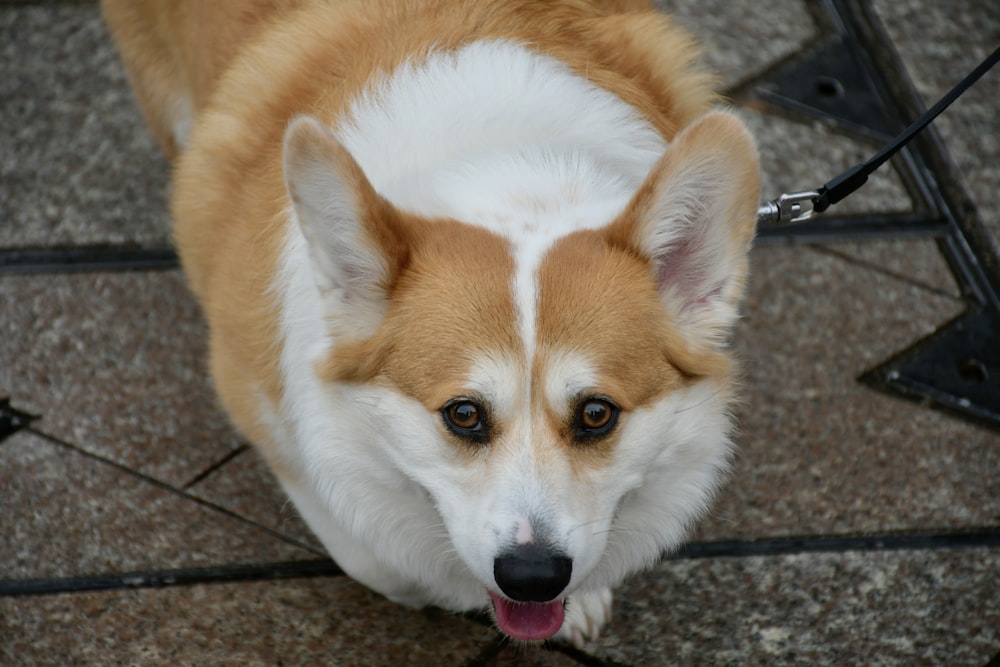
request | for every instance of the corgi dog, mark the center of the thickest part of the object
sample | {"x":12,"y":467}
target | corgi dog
{"x":469,"y":270}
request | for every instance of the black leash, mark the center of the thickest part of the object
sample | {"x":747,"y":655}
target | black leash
{"x":802,"y":206}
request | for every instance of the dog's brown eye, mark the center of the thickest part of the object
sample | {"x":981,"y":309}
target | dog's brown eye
{"x":595,"y":417}
{"x":595,"y":414}
{"x":465,"y":419}
{"x":464,"y":415}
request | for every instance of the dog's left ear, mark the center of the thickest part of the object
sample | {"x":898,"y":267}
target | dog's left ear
{"x":356,"y":238}
{"x":693,"y":219}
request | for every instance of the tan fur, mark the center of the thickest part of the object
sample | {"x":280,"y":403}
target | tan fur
{"x":456,"y":289}
{"x":601,"y":299}
{"x":178,"y":50}
{"x":248,"y":67}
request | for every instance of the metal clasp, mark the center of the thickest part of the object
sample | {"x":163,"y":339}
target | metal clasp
{"x":788,"y":209}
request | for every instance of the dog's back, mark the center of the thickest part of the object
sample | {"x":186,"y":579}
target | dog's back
{"x":177,"y":50}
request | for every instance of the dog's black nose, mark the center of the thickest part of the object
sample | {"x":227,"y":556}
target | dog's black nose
{"x":532,"y":573}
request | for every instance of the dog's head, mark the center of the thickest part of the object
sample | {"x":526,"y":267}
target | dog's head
{"x":562,"y":399}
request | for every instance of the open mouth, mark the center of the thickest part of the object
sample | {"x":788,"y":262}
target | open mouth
{"x":528,"y":621}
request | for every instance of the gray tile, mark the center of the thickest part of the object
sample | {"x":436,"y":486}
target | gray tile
{"x":66,"y":514}
{"x":246,"y":487}
{"x":939,"y":44}
{"x":820,"y":453}
{"x":855,"y":608}
{"x":740,"y":40}
{"x":114,"y":363}
{"x":76,"y":162}
{"x":296,"y":622}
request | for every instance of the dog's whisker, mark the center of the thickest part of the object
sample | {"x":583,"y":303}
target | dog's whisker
{"x":590,"y":523}
{"x":697,"y":405}
{"x":614,"y":529}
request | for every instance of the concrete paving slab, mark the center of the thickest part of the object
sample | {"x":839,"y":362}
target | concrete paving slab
{"x":115,"y":363}
{"x":76,"y":162}
{"x":65,"y":514}
{"x":742,"y":41}
{"x":295,"y":622}
{"x":915,"y":261}
{"x":855,"y":608}
{"x":247,"y":487}
{"x":820,"y":453}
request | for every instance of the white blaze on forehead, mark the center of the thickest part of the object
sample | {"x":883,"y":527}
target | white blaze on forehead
{"x":500,"y":380}
{"x":568,"y":375}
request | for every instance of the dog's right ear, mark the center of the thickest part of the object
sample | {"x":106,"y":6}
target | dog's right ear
{"x":355,"y":237}
{"x":693,"y":219}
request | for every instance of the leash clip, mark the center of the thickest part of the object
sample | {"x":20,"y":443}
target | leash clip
{"x":788,"y":209}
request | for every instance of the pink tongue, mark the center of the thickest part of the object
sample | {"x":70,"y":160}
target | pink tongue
{"x":528,"y":620}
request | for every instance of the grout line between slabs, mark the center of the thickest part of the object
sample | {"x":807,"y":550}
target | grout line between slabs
{"x":15,"y":4}
{"x":207,"y":472}
{"x":87,"y":258}
{"x":221,"y":574}
{"x":927,"y":540}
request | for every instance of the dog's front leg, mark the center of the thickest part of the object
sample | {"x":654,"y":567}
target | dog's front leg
{"x":586,"y":614}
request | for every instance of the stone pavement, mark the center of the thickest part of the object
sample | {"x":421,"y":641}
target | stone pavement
{"x":137,"y":528}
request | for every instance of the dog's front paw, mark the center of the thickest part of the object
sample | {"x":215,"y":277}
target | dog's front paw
{"x":586,"y":614}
